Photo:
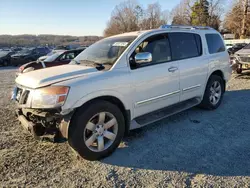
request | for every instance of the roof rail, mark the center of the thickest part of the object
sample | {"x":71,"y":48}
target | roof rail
{"x":185,"y":27}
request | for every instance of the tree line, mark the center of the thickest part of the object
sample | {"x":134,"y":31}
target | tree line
{"x":40,"y":40}
{"x":131,"y":16}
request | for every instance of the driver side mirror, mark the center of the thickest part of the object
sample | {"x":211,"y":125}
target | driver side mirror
{"x":144,"y":57}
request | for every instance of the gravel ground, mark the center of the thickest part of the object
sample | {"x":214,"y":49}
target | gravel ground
{"x":195,"y":148}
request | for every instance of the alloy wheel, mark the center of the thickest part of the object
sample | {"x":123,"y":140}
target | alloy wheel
{"x":100,"y":131}
{"x":215,"y":93}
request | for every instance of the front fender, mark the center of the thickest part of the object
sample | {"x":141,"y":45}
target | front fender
{"x":94,"y":95}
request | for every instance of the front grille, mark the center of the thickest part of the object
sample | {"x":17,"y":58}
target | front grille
{"x":245,"y":59}
{"x":22,"y":95}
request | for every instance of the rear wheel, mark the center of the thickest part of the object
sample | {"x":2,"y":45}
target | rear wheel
{"x":96,"y":130}
{"x":214,"y":93}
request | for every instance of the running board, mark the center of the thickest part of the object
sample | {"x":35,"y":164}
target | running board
{"x":163,"y":113}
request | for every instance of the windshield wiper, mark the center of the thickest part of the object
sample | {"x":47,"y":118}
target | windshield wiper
{"x":101,"y":66}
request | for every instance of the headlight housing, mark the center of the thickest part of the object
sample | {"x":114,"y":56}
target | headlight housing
{"x":50,"y":97}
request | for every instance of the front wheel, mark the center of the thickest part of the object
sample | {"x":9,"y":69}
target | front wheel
{"x":214,"y":93}
{"x":96,"y":130}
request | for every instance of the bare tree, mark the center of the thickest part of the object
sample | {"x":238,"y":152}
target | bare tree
{"x":233,"y":20}
{"x":244,"y":20}
{"x":215,"y":12}
{"x":181,"y":13}
{"x":154,"y":17}
{"x":129,"y":16}
{"x":124,"y":18}
{"x":189,"y":12}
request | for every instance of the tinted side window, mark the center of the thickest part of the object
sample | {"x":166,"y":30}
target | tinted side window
{"x":185,"y":45}
{"x":158,"y":46}
{"x":198,"y":43}
{"x":215,"y":43}
{"x":68,"y":56}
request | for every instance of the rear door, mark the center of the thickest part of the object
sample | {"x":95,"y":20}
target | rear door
{"x":193,"y":64}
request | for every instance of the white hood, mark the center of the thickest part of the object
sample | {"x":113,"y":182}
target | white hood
{"x":243,"y":52}
{"x":48,"y":76}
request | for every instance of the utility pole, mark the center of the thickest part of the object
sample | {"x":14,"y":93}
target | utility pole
{"x":243,"y":29}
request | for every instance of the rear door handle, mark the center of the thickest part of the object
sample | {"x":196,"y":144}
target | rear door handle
{"x":172,"y":69}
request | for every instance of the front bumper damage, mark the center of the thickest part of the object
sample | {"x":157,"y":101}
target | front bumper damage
{"x":239,"y":63}
{"x":44,"y":124}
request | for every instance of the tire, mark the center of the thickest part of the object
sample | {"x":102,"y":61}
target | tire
{"x":79,"y":134}
{"x":208,"y":95}
{"x":238,"y":70}
{"x":5,"y":63}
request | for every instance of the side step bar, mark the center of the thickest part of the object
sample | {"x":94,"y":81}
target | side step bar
{"x":163,"y":113}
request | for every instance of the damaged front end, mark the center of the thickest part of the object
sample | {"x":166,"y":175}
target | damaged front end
{"x":41,"y":122}
{"x":242,"y":59}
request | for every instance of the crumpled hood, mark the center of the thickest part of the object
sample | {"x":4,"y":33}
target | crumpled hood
{"x":48,"y":76}
{"x":243,"y":52}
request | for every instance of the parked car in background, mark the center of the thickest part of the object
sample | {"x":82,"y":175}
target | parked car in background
{"x":27,"y":55}
{"x":241,"y":59}
{"x":42,"y":58}
{"x":236,"y":47}
{"x":229,"y":46}
{"x":122,"y":83}
{"x":16,"y":49}
{"x":5,"y":57}
{"x":56,"y":59}
{"x":61,"y":47}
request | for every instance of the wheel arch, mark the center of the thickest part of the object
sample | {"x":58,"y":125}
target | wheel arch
{"x":114,"y":100}
{"x":220,"y":74}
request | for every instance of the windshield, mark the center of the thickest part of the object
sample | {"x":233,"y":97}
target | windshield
{"x":53,"y":57}
{"x":104,"y":52}
{"x":247,"y":46}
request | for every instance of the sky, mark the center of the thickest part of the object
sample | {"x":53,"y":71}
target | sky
{"x":61,"y":17}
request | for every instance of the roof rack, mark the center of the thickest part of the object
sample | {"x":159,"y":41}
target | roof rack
{"x":185,"y":27}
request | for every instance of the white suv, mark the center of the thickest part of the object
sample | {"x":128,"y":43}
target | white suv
{"x":122,"y":83}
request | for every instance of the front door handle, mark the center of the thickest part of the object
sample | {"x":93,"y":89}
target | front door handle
{"x":172,"y":69}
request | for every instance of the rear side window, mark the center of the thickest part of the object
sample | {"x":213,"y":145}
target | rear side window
{"x":214,"y":43}
{"x":185,"y":45}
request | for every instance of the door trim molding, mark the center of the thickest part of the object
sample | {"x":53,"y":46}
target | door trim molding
{"x":191,"y":87}
{"x":156,"y":98}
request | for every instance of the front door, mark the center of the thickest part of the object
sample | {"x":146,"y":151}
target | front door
{"x":155,"y":84}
